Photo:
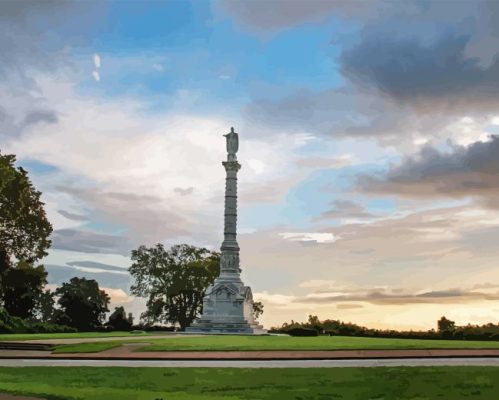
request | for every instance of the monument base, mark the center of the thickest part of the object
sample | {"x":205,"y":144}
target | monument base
{"x":227,"y":308}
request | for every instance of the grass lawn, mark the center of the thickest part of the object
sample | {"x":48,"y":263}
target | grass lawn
{"x":77,"y":335}
{"x":94,"y":347}
{"x":117,"y":383}
{"x":308,"y":343}
{"x":228,"y":343}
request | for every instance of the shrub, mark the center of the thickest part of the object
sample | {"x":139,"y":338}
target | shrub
{"x":10,"y":324}
{"x":302,"y":332}
{"x":103,"y":328}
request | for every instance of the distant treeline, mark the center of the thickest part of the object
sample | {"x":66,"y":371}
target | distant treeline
{"x":447,"y":329}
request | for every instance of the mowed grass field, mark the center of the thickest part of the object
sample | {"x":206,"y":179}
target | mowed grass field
{"x":254,"y":343}
{"x":117,"y":383}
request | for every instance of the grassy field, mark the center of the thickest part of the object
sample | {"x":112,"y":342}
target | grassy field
{"x":44,"y":336}
{"x":93,"y":383}
{"x":233,"y":343}
{"x":94,"y":347}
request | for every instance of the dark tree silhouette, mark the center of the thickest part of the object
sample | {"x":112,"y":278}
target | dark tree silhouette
{"x":45,"y":310}
{"x":118,"y":320}
{"x":23,"y":289}
{"x":257,"y":309}
{"x":174,"y":281}
{"x":446,"y":325}
{"x":82,"y":304}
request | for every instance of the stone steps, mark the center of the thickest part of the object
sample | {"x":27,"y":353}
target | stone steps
{"x":25,"y":346}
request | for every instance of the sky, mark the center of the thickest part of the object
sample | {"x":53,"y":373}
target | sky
{"x":369,"y":188}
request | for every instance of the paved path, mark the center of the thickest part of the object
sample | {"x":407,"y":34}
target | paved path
{"x":128,"y":352}
{"x":411,"y":362}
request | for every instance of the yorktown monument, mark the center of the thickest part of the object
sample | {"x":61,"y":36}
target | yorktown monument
{"x":228,"y":304}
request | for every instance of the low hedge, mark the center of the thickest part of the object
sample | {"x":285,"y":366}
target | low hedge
{"x":10,"y":324}
{"x":302,"y":332}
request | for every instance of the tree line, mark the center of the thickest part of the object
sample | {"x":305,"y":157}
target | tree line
{"x":446,"y":329}
{"x":173,"y":280}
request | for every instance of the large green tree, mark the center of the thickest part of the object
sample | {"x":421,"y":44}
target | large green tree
{"x":173,"y":281}
{"x":24,"y":228}
{"x":82,"y":304}
{"x":24,"y":234}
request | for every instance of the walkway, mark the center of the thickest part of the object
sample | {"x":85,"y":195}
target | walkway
{"x":411,"y":362}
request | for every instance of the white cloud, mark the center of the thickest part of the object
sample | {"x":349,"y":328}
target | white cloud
{"x":97,"y":60}
{"x":96,"y":75}
{"x":118,"y":296}
{"x":310,"y":237}
{"x":158,"y":67}
{"x":110,"y":148}
{"x":318,"y":283}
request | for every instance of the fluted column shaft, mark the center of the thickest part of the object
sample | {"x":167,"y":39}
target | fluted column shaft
{"x":230,"y":248}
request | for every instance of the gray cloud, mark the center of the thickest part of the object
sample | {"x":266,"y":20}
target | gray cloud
{"x":72,"y":216}
{"x":40,"y":116}
{"x":385,"y":297}
{"x":344,"y":209}
{"x":96,"y":265}
{"x":465,"y":171}
{"x":435,"y":77}
{"x":335,"y":111}
{"x":184,"y":191}
{"x":146,"y":218}
{"x":412,"y":69}
{"x":57,"y":274}
{"x":348,"y":306}
{"x":90,"y":242}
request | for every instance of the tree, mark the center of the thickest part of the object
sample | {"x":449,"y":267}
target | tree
{"x":174,"y":281}
{"x":446,"y":325}
{"x":24,"y":233}
{"x":23,"y":289}
{"x":130,"y":318}
{"x":118,"y":319}
{"x":82,"y":304}
{"x":45,"y":310}
{"x":24,"y":228}
{"x":257,"y":309}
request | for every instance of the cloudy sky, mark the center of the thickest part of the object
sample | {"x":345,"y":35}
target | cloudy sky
{"x":369,"y":188}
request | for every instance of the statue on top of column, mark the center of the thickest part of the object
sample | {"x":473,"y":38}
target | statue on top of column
{"x":232,"y":144}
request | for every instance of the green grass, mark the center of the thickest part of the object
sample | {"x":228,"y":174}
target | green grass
{"x":94,"y":347}
{"x":401,"y":383}
{"x":307,"y":343}
{"x":77,"y":335}
{"x":234,"y":343}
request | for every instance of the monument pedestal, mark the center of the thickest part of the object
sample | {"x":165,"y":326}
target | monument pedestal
{"x":228,"y":304}
{"x":227,"y":308}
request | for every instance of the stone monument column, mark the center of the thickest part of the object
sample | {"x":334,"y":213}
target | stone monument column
{"x":229,"y":265}
{"x":228,"y":304}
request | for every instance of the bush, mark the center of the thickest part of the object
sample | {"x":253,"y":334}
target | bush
{"x":103,"y":328}
{"x":149,"y":328}
{"x":302,"y":332}
{"x":10,"y":324}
